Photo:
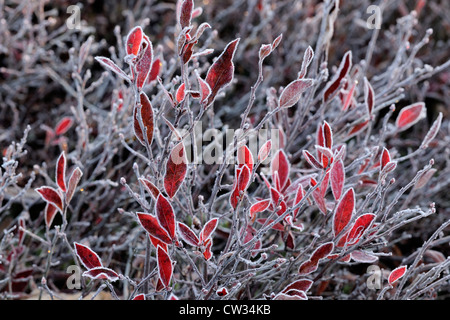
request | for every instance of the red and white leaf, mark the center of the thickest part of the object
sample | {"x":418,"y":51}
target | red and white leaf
{"x":292,"y":93}
{"x":312,"y":160}
{"x":322,"y":252}
{"x":176,"y":169}
{"x":63,"y":125}
{"x":73,"y":183}
{"x":385,"y":158}
{"x":140,"y":296}
{"x":188,"y":235}
{"x":221,"y":72}
{"x":110,"y":65}
{"x":222,"y":292}
{"x":61,"y":172}
{"x":181,"y":93}
{"x":291,"y":295}
{"x":357,"y":128}
{"x":369,"y":96}
{"x":144,"y":64}
{"x":156,"y":242}
{"x":147,"y":120}
{"x":186,"y":9}
{"x":102,"y":273}
{"x":133,"y":42}
{"x":280,"y":164}
{"x":337,"y":178}
{"x":165,"y":267}
{"x":207,"y":253}
{"x":155,"y":70}
{"x":52,"y":196}
{"x":409,"y":115}
{"x":151,"y":225}
{"x":208,"y":229}
{"x":308,"y":267}
{"x":150,"y":187}
{"x":396,"y":274}
{"x":362,"y":223}
{"x":205,"y":89}
{"x":88,"y":258}
{"x":50,"y":213}
{"x":298,"y":197}
{"x":245,"y":157}
{"x":344,"y":211}
{"x":165,"y":215}
{"x":302,"y":285}
{"x":332,"y":87}
{"x":264,"y":151}
{"x":259,"y":206}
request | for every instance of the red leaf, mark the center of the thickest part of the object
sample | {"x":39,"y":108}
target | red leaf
{"x":312,"y":160}
{"x":102,"y":273}
{"x":52,"y":196}
{"x":88,"y":258}
{"x":207,"y":253}
{"x":222,"y":292}
{"x":308,"y":267}
{"x":344,"y":211}
{"x":186,"y":13}
{"x":327,"y":135}
{"x":205,"y":89}
{"x":181,"y":93}
{"x":322,"y":252}
{"x":337,"y":176}
{"x":298,"y":197}
{"x":150,"y":187}
{"x":188,"y":235}
{"x":156,"y":242}
{"x":50,"y":213}
{"x":361,"y":224}
{"x":302,"y":285}
{"x":385,"y":158}
{"x":147,"y":120}
{"x":259,"y":206}
{"x":154,"y":71}
{"x":134,"y":39}
{"x":281,"y":165}
{"x":291,"y":295}
{"x":319,"y":193}
{"x":151,"y":225}
{"x":245,"y":157}
{"x":369,"y":96}
{"x":139,"y":297}
{"x":221,"y":72}
{"x":109,"y":64}
{"x":73,"y":183}
{"x":208,"y":229}
{"x":292,"y":93}
{"x":63,"y":125}
{"x":332,"y":87}
{"x":264,"y":151}
{"x":176,"y":169}
{"x":61,"y":172}
{"x":357,"y":128}
{"x":144,"y":64}
{"x":165,"y":215}
{"x":409,"y":115}
{"x":165,"y":268}
{"x":396,"y":274}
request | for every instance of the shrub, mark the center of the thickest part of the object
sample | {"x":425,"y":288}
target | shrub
{"x":168,"y":152}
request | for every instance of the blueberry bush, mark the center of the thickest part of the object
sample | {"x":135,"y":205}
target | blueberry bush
{"x":260,"y":149}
